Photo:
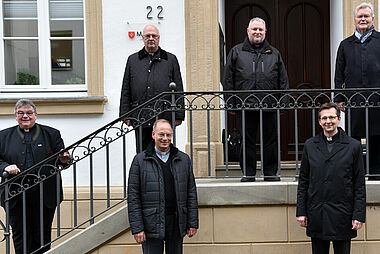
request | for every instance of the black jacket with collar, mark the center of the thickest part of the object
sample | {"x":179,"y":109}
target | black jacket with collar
{"x":146,"y":77}
{"x":146,"y":197}
{"x":46,"y":141}
{"x":250,"y":69}
{"x":331,"y":187}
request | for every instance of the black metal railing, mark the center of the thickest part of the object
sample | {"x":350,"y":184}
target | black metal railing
{"x":294,"y":109}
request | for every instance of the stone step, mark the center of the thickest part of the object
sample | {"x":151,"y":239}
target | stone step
{"x":288,"y":168}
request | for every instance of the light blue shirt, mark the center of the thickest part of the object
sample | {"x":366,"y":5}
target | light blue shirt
{"x":164,"y":156}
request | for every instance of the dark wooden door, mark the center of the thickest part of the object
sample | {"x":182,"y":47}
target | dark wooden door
{"x":300,"y":30}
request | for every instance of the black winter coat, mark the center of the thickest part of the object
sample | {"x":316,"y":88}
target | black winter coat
{"x":331,"y":187}
{"x":248,"y":69}
{"x":46,"y":141}
{"x":358,"y":66}
{"x":146,"y":197}
{"x":145,"y":78}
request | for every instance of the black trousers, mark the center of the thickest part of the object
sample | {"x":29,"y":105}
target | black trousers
{"x":374,"y":154}
{"x":252,"y":120}
{"x":320,"y":246}
{"x":32,"y":226}
{"x":146,"y":133}
{"x":173,"y":240}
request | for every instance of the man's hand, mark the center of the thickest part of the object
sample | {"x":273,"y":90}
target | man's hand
{"x":140,"y":237}
{"x":341,"y":106}
{"x":178,"y":122}
{"x":302,"y":220}
{"x":127,"y":122}
{"x":191,"y":232}
{"x":65,"y":157}
{"x":12,"y":169}
{"x":356,"y":225}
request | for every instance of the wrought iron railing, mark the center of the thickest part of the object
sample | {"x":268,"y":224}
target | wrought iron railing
{"x":290,"y":104}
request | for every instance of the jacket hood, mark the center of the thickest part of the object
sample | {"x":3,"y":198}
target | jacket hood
{"x":247,"y":46}
{"x":160,"y":53}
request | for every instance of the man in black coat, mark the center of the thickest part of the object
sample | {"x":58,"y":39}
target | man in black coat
{"x":21,"y":147}
{"x":162,"y":195}
{"x":256,"y":65}
{"x":357,"y":66}
{"x":331,"y":198}
{"x":147,"y":74}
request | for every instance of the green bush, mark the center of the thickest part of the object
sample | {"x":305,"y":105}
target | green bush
{"x":26,"y":77}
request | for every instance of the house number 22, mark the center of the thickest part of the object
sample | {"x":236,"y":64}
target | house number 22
{"x":149,"y":15}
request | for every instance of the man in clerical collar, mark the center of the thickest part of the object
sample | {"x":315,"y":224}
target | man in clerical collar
{"x":21,"y":147}
{"x":331,"y":197}
{"x":357,"y":66}
{"x":162,"y":196}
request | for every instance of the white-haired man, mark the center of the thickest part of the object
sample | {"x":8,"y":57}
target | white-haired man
{"x":357,"y":66}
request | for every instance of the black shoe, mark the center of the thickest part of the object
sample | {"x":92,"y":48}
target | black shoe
{"x":374,"y":178}
{"x":272,"y":178}
{"x":247,"y":179}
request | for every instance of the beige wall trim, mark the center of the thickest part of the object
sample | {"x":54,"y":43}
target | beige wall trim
{"x":348,"y":15}
{"x":56,"y":106}
{"x":94,"y":103}
{"x":203,"y":74}
{"x":94,"y":47}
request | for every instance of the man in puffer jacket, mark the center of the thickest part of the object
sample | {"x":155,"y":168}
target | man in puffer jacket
{"x":256,"y":65}
{"x":162,"y":195}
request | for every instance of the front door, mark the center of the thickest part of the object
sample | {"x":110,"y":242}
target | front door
{"x":300,"y":30}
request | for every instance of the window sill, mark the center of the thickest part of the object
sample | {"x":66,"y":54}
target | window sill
{"x":60,"y":106}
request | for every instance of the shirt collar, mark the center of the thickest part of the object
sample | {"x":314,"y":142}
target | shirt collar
{"x":158,"y":152}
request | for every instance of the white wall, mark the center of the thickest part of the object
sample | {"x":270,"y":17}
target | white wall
{"x":336,"y":32}
{"x":119,"y":17}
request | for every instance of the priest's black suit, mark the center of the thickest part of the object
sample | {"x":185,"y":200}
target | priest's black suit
{"x":26,"y":149}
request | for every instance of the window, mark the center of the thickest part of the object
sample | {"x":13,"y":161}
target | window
{"x":53,"y":39}
{"x":43,"y":46}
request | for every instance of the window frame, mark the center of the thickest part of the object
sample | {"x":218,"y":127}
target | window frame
{"x":91,"y":101}
{"x":44,"y":39}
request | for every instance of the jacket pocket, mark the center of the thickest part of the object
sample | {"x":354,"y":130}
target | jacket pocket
{"x":150,"y":220}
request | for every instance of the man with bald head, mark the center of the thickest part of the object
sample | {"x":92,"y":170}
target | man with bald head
{"x":147,"y":74}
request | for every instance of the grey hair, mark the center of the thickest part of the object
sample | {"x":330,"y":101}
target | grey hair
{"x":160,"y":121}
{"x":257,"y":19}
{"x":25,"y":103}
{"x":362,"y":6}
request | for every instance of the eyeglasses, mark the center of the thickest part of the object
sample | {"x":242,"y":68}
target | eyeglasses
{"x":161,"y":135}
{"x":22,"y":113}
{"x":331,"y":118}
{"x":147,"y":36}
{"x":366,"y":16}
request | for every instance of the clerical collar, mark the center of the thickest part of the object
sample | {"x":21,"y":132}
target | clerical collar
{"x":159,"y":152}
{"x":333,"y":138}
{"x":26,"y":130}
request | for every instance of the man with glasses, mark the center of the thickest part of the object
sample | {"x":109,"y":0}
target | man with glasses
{"x":331,"y":198}
{"x":162,"y":195}
{"x":358,"y":66}
{"x":147,"y":74}
{"x":21,"y":147}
